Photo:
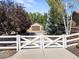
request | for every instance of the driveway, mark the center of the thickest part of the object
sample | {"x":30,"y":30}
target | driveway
{"x":47,"y":53}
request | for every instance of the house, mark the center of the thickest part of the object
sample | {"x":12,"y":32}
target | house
{"x":36,"y":28}
{"x":75,"y":27}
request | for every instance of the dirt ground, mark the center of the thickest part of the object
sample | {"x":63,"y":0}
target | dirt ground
{"x":6,"y":53}
{"x":74,"y":50}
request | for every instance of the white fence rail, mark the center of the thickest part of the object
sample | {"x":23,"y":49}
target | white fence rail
{"x":38,"y":41}
{"x":72,"y":39}
{"x":6,"y":42}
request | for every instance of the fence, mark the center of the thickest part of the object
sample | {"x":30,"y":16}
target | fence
{"x":72,"y":39}
{"x":19,"y":42}
{"x":6,"y":42}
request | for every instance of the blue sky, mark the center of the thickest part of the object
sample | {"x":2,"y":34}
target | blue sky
{"x":75,"y":5}
{"x":42,"y":6}
{"x":35,"y":5}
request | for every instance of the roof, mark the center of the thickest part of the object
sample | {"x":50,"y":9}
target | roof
{"x":36,"y":24}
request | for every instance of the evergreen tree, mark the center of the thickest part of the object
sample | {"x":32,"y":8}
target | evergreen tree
{"x":55,"y":20}
{"x":39,"y":18}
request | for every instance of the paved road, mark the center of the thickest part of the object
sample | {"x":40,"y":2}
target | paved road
{"x":48,"y":53}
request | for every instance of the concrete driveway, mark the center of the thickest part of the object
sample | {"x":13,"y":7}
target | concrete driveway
{"x":48,"y":53}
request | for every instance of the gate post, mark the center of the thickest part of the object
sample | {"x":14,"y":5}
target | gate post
{"x":42,"y":41}
{"x":64,"y":41}
{"x":18,"y":42}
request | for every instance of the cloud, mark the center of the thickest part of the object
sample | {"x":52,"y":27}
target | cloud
{"x":31,"y":1}
{"x":27,"y":3}
{"x":19,"y":1}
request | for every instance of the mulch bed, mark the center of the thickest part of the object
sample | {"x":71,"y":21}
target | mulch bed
{"x":6,"y":53}
{"x":74,"y":50}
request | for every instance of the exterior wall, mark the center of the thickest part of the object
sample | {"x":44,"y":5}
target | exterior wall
{"x":36,"y":28}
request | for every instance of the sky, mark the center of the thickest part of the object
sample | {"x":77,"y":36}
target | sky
{"x":40,"y":6}
{"x":70,"y":4}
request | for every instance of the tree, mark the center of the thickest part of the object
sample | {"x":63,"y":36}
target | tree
{"x":55,"y":23}
{"x":39,"y":18}
{"x":69,"y":6}
{"x":13,"y":18}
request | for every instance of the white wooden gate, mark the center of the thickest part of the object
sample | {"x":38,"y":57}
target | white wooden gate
{"x":29,"y":42}
{"x":19,"y":42}
{"x":53,"y":41}
{"x":41,"y":41}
